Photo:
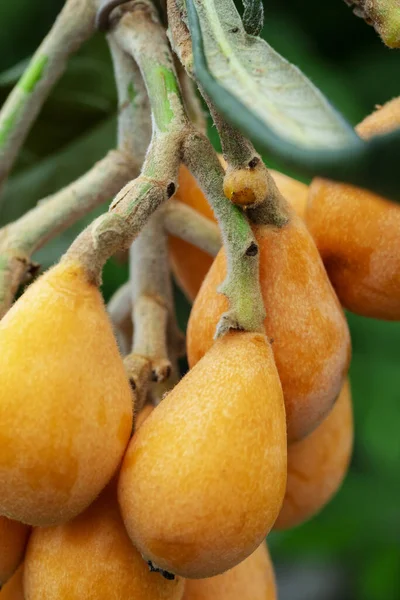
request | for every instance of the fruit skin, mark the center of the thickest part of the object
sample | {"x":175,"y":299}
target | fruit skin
{"x":189,"y":264}
{"x":13,"y":538}
{"x":92,"y":558}
{"x":357,"y":235}
{"x":65,"y":402}
{"x":14,"y":588}
{"x":311,"y":341}
{"x":252,"y":579}
{"x":209,"y":463}
{"x":317,"y":465}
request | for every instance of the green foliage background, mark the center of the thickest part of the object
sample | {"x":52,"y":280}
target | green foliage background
{"x":359,"y":532}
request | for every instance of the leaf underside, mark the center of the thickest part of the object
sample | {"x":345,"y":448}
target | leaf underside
{"x":278,"y":108}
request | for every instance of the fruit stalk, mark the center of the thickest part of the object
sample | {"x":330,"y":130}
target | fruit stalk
{"x":150,"y":289}
{"x":134,"y":116}
{"x":19,"y":240}
{"x":152,"y":307}
{"x":74,"y":26}
{"x":119,"y":309}
{"x":242,"y":286}
{"x":135,"y":203}
{"x":189,"y":225}
{"x":173,"y":138}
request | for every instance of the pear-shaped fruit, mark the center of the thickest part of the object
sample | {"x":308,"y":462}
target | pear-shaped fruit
{"x":65,"y":402}
{"x":92,"y":558}
{"x":318,"y":464}
{"x":357,"y":234}
{"x":189,"y":264}
{"x":252,"y":579}
{"x":14,"y":588}
{"x":203,"y":479}
{"x":13,"y":538}
{"x":310,"y":337}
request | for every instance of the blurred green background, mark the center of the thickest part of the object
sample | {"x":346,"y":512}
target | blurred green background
{"x":352,"y":549}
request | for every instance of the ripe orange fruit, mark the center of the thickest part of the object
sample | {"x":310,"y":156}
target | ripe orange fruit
{"x":189,"y":264}
{"x":252,"y":579}
{"x":203,"y":479}
{"x":14,"y":588}
{"x":317,"y":465}
{"x":92,"y":558}
{"x":13,"y":538}
{"x":357,"y":235}
{"x":66,"y":404}
{"x":310,"y":337}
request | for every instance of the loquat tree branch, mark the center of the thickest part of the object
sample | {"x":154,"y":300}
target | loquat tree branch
{"x":157,"y":182}
{"x":119,"y":309}
{"x":152,"y":307}
{"x":174,"y":138}
{"x":189,"y":225}
{"x":20,"y":239}
{"x":241,"y":286}
{"x":74,"y":25}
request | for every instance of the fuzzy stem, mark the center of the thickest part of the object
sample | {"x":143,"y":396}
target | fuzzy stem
{"x":19,"y":240}
{"x":189,"y":225}
{"x":245,"y":166}
{"x":172,"y":137}
{"x":241,"y":286}
{"x":140,"y":198}
{"x":237,"y":150}
{"x":120,"y":309}
{"x":74,"y":25}
{"x":193,"y":104}
{"x":134,"y":117}
{"x":152,"y":305}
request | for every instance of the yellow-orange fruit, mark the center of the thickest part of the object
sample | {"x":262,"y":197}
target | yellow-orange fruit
{"x":13,"y":538}
{"x":14,"y":588}
{"x":311,"y":341}
{"x":142,"y":416}
{"x":252,"y":579}
{"x":317,"y":465}
{"x":357,"y":234}
{"x":65,"y":402}
{"x":203,"y":479}
{"x":92,"y":558}
{"x":189,"y":264}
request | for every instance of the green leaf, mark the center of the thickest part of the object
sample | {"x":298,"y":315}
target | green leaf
{"x":288,"y":133}
{"x":274,"y":90}
{"x":253,"y":16}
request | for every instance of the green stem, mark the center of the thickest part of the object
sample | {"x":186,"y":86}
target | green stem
{"x":241,"y":287}
{"x":74,"y":25}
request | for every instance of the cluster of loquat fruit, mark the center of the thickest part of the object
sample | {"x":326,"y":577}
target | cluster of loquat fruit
{"x":257,"y":435}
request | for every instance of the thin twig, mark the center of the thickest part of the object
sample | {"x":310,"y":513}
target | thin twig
{"x":152,"y":307}
{"x":140,"y":198}
{"x":19,"y":240}
{"x":74,"y":25}
{"x":119,"y":309}
{"x":151,"y":289}
{"x":174,"y":138}
{"x":189,"y":225}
